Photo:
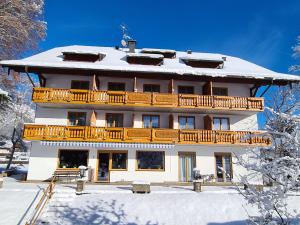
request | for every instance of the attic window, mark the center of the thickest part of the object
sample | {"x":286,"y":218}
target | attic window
{"x":167,"y":53}
{"x":83,"y":56}
{"x":145,"y":59}
{"x":203,"y":63}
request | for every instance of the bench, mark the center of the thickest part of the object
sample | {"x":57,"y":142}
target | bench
{"x":140,"y":187}
{"x":69,"y":174}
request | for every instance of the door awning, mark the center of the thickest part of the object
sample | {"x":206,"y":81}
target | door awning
{"x":107,"y":145}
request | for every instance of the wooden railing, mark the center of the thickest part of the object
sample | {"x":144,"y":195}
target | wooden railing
{"x":48,"y":192}
{"x":73,"y":96}
{"x":143,"y":135}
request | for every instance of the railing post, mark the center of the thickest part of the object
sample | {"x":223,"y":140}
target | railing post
{"x":152,"y":134}
{"x":251,"y":138}
{"x":123,"y":136}
{"x":152,"y":98}
{"x":125,"y":97}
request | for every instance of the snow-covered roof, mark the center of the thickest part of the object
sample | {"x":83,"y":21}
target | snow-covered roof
{"x":157,"y":50}
{"x":144,"y":55}
{"x":193,"y":58}
{"x":115,"y":60}
{"x":74,"y":51}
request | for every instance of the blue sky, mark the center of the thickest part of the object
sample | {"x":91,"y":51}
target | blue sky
{"x":262,"y":32}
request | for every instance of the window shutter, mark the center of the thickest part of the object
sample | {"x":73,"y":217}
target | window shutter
{"x":93,"y":118}
{"x":207,"y":88}
{"x":171,"y":121}
{"x":171,"y":86}
{"x":132,"y":119}
{"x":208,"y":123}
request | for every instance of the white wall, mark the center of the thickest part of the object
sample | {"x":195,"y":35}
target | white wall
{"x":44,"y":161}
{"x":64,"y":81}
{"x":58,"y":116}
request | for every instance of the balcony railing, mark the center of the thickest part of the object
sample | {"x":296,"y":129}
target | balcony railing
{"x":143,"y":135}
{"x":75,"y":96}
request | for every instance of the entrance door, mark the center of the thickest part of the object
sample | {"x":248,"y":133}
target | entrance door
{"x":187,"y":162}
{"x":103,"y":167}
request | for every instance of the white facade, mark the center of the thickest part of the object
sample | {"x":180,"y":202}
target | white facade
{"x":44,"y":160}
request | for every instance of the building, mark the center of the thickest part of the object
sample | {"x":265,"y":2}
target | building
{"x":144,"y":114}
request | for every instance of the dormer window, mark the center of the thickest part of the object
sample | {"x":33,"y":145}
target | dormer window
{"x":167,"y":53}
{"x":82,"y":56}
{"x":203,"y":63}
{"x":145,"y":59}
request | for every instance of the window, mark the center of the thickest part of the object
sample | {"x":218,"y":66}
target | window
{"x":152,"y":88}
{"x":150,"y":121}
{"x":73,"y":158}
{"x":114,"y":120}
{"x":83,"y":56}
{"x":220,"y":91}
{"x":185,"y":90}
{"x":149,"y":160}
{"x":186,"y":122}
{"x":223,"y":167}
{"x":78,"y":84}
{"x":221,"y":123}
{"x":76,"y":118}
{"x":203,"y":63}
{"x":112,"y":86}
{"x":119,"y":160}
{"x":145,"y":59}
{"x":167,"y":53}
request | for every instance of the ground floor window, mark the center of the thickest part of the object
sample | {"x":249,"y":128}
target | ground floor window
{"x":150,"y":160}
{"x":73,"y":158}
{"x":223,"y":167}
{"x":119,"y":160}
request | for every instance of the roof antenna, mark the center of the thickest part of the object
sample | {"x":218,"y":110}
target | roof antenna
{"x":125,"y":36}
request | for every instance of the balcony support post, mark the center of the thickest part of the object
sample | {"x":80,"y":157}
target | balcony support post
{"x":254,"y":90}
{"x":135,"y":85}
{"x":266,"y":89}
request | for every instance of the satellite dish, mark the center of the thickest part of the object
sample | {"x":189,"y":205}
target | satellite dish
{"x":123,"y":43}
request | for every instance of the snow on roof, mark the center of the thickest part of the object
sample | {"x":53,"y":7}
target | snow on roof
{"x":143,"y":55}
{"x":114,"y":61}
{"x":157,"y":50}
{"x":82,"y":52}
{"x":192,"y":58}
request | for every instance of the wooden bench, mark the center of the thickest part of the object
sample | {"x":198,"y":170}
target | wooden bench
{"x":140,"y":187}
{"x":69,"y":174}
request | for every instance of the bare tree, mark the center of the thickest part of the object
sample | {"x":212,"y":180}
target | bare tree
{"x":22,"y":27}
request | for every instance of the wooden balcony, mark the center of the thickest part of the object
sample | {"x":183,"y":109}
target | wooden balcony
{"x":74,"y":96}
{"x":143,"y":135}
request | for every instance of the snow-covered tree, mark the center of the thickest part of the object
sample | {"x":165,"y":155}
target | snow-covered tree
{"x":21,"y":29}
{"x":279,"y":164}
{"x":21,"y":26}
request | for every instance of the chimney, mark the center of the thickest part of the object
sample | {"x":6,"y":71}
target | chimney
{"x":131,"y":45}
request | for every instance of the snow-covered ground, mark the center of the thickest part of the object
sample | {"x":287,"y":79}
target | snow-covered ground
{"x":117,"y":205}
{"x":17,"y":200}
